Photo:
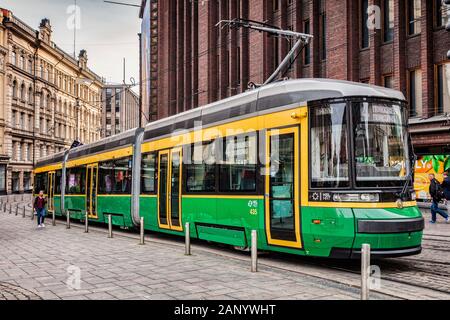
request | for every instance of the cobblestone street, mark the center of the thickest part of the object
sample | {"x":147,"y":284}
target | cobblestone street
{"x":37,"y":264}
{"x":34,"y":265}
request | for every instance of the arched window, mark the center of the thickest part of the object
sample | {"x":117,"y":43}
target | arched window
{"x":22,"y":62}
{"x":48,"y":102}
{"x":14,"y":88}
{"x":30,"y":65}
{"x":30,"y":95}
{"x":43,"y":103}
{"x":13,"y":58}
{"x":22,"y":92}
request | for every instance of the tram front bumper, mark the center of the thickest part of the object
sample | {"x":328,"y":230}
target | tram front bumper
{"x":389,"y":232}
{"x":339,"y":253}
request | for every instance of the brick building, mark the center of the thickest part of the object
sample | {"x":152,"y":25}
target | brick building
{"x":187,"y":61}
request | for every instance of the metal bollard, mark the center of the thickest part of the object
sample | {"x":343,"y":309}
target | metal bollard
{"x":254,"y":251}
{"x":110,"y":231}
{"x":17,"y":209}
{"x":187,"y":238}
{"x":68,"y":219}
{"x":4,"y":207}
{"x":142,"y":238}
{"x":86,"y":223}
{"x":24,"y":213}
{"x":53,"y":218}
{"x":365,"y":271}
{"x":10,"y":209}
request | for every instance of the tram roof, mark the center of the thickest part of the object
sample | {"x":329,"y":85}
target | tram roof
{"x":280,"y":93}
{"x":285,"y":92}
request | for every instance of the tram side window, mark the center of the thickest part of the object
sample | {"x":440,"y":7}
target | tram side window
{"x":238,"y":164}
{"x":40,"y":182}
{"x":122,"y":176}
{"x":329,"y":146}
{"x":148,"y":173}
{"x":200,"y":167}
{"x":76,"y":180}
{"x":105,"y":177}
{"x":115,"y":176}
{"x":58,"y":176}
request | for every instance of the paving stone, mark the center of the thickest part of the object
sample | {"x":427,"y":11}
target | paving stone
{"x":120,"y":269}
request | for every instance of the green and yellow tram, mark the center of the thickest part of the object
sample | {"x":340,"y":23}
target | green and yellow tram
{"x":318,"y":167}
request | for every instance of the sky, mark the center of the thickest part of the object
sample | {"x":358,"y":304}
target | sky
{"x":108,"y":32}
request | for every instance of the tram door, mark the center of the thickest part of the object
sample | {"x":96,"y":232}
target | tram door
{"x":51,"y":192}
{"x":282,"y":187}
{"x":169,"y":189}
{"x":91,"y":190}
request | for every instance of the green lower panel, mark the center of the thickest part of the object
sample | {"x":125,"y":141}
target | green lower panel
{"x":389,"y":241}
{"x":221,"y":235}
{"x":147,"y":209}
{"x":119,"y":206}
{"x":336,"y":229}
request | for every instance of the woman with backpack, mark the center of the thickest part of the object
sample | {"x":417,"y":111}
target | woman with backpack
{"x":437,"y":195}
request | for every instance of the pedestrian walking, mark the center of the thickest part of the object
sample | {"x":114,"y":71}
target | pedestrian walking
{"x":39,"y":209}
{"x":437,"y":195}
{"x":446,"y":189}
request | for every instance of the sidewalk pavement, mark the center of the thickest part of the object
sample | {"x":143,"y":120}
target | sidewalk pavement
{"x":40,"y":263}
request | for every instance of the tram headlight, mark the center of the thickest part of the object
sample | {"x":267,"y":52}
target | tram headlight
{"x":356,"y":197}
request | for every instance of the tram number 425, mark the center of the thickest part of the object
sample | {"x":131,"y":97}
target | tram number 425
{"x":253,"y":205}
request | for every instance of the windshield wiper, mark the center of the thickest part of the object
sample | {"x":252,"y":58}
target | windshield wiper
{"x":402,"y":195}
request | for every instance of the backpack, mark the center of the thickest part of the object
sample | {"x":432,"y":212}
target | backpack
{"x":439,"y":195}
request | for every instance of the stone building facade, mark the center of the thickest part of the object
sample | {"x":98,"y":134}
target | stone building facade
{"x":193,"y":62}
{"x":48,"y":99}
{"x":121,"y":109}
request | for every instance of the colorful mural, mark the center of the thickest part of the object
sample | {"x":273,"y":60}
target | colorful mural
{"x":425,"y":165}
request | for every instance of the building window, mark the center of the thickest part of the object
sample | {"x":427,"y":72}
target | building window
{"x":324,"y":36}
{"x":443,"y":89}
{"x":22,"y":92}
{"x":22,"y":62}
{"x":414,"y":15}
{"x":2,"y":178}
{"x":307,"y":53}
{"x":15,"y":182}
{"x":276,"y":51}
{"x":13,"y":119}
{"x":442,"y":13}
{"x":388,"y":20}
{"x":13,"y":58}
{"x":364,"y":4}
{"x":276,"y":5}
{"x":30,"y":95}
{"x":14,"y":88}
{"x":415,"y":93}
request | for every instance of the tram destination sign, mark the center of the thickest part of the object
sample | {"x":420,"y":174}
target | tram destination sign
{"x":380,"y":114}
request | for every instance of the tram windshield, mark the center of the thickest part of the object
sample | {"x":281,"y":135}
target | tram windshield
{"x":380,"y":143}
{"x":369,"y":136}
